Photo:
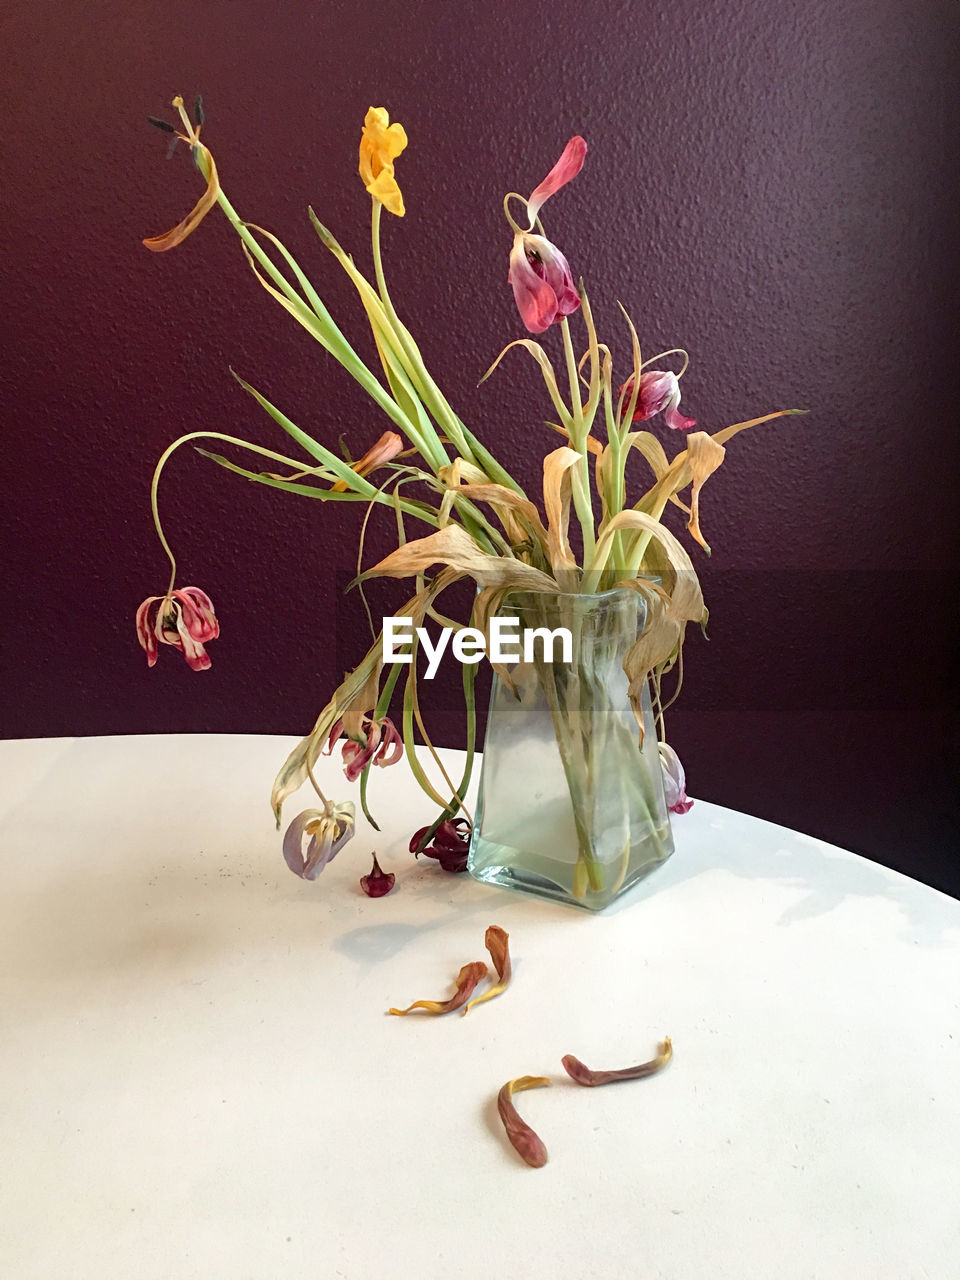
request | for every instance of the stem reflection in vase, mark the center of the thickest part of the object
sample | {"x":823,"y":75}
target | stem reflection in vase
{"x":571,"y":807}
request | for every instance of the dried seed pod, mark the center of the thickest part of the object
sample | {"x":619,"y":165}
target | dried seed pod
{"x":523,"y":1139}
{"x":378,"y":882}
{"x":576,"y":1070}
{"x":467,"y":980}
{"x":497,"y":942}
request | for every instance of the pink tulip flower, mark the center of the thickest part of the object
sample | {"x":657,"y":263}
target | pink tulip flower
{"x":659,"y":390}
{"x":542,"y":281}
{"x":184,"y":619}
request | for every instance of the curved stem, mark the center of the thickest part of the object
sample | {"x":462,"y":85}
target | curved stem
{"x":578,"y":438}
{"x":199,"y":435}
{"x":326,"y":802}
{"x":379,"y":711}
{"x":512,"y":195}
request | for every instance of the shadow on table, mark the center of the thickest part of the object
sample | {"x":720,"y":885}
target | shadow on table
{"x":446,"y":893}
{"x":750,"y":848}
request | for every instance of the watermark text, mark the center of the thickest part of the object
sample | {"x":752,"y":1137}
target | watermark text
{"x":468,"y":644}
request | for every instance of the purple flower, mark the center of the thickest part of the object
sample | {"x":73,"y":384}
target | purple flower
{"x":674,"y":780}
{"x":328,"y":829}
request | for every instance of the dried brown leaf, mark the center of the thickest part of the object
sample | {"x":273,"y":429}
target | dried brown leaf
{"x":485,"y":607}
{"x":669,"y":607}
{"x":546,"y":369}
{"x":557,"y":487}
{"x":593,"y":444}
{"x":520,"y":518}
{"x":704,"y":455}
{"x":680,"y":472}
{"x":454,"y":547}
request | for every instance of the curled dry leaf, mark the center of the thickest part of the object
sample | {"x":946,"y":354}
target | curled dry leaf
{"x":523,"y":1139}
{"x":576,"y":1070}
{"x":467,"y":980}
{"x":455,"y":548}
{"x":497,"y":942}
{"x":558,"y":480}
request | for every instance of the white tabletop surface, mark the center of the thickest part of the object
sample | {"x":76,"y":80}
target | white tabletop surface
{"x":198,"y":1077}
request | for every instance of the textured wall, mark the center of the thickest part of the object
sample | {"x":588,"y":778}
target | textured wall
{"x":769,"y":184}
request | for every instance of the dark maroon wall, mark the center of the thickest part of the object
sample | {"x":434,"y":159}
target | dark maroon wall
{"x":771,"y":185}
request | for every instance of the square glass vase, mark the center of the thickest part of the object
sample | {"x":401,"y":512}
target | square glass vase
{"x":571,"y":805}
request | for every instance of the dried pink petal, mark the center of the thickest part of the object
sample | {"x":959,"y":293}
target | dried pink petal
{"x":497,"y":942}
{"x":379,"y":882}
{"x":467,"y":980}
{"x":576,"y":1070}
{"x":523,"y":1139}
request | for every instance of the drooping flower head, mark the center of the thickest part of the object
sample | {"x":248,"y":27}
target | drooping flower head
{"x":542,"y":281}
{"x":674,"y":780}
{"x":386,"y":448}
{"x":205,"y":163}
{"x":185,"y":619}
{"x":383,"y":746}
{"x":327,"y":830}
{"x":659,"y":390}
{"x":451,"y":844}
{"x":380,"y":144}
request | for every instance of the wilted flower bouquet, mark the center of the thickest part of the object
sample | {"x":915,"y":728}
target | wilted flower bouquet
{"x":621,"y":585}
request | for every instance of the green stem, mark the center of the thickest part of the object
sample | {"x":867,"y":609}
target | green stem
{"x":582,"y":503}
{"x":457,"y":800}
{"x":578,"y":433}
{"x":326,"y":331}
{"x":381,"y":709}
{"x":444,"y":415}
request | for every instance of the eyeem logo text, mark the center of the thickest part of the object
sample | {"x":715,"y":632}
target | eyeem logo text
{"x":469,"y":644}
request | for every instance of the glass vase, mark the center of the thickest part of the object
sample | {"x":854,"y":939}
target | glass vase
{"x":571,"y":806}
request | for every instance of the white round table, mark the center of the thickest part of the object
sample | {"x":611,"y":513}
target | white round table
{"x":198,"y":1077}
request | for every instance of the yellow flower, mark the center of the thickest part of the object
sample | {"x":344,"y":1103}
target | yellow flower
{"x":380,"y":144}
